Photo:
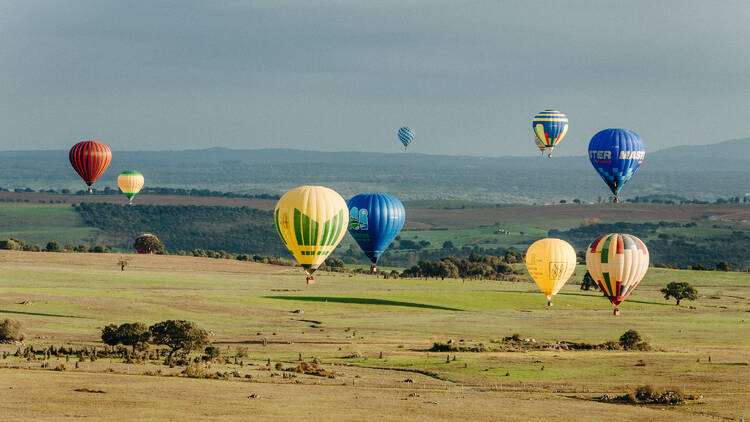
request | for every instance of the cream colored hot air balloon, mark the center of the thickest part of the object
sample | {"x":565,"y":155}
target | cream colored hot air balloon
{"x":130,"y":183}
{"x":311,"y":221}
{"x":617,"y":262}
{"x":550,"y":263}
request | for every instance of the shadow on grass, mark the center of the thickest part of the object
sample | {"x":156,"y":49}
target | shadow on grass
{"x":3,"y":311}
{"x":628,"y":300}
{"x":361,"y":301}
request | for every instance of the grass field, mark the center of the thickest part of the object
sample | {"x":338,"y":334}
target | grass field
{"x":41,"y":223}
{"x":348,"y":321}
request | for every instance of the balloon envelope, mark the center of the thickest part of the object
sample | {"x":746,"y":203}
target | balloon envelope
{"x":550,"y":263}
{"x":375,"y":219}
{"x":617,"y":262}
{"x":311,"y":221}
{"x":550,"y":127}
{"x":406,"y":136}
{"x":616,"y":154}
{"x":130,"y":183}
{"x":90,"y":159}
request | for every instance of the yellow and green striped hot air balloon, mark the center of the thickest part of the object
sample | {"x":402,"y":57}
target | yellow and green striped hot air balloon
{"x":130,"y":183}
{"x":311,"y":221}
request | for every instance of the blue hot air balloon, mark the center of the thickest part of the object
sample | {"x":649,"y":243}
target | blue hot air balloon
{"x":375,"y":219}
{"x":550,"y":127}
{"x":405,"y":135}
{"x":616,"y":154}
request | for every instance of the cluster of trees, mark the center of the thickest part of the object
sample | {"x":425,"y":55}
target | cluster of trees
{"x":262,"y":259}
{"x":52,"y":246}
{"x":233,"y":229}
{"x":179,"y":336}
{"x":479,"y":267}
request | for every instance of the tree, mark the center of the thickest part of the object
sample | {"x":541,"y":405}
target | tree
{"x":448,"y":245}
{"x":679,"y":291}
{"x":630,"y":339}
{"x":178,"y":335}
{"x":100,"y":249}
{"x":588,"y":282}
{"x":148,"y":243}
{"x":53,"y":246}
{"x":133,"y":334}
{"x":210,"y":353}
{"x":723,"y":266}
{"x":10,"y":329}
{"x":109,"y":335}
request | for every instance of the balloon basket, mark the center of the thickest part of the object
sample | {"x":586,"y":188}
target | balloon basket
{"x":549,"y":302}
{"x":373,"y":269}
{"x":616,"y":312}
{"x":90,"y":190}
{"x":310,"y":279}
{"x":616,"y":200}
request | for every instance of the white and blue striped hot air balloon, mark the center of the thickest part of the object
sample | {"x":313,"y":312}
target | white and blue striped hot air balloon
{"x":405,"y":135}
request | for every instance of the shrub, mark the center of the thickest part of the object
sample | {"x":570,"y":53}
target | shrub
{"x":631,"y":340}
{"x":100,"y":249}
{"x":10,"y":330}
{"x":10,"y":244}
{"x":53,"y":246}
{"x":210,"y":353}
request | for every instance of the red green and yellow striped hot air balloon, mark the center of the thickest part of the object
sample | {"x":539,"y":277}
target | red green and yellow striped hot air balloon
{"x":130,"y":183}
{"x":617,"y":262}
{"x":90,"y":159}
{"x":311,"y":221}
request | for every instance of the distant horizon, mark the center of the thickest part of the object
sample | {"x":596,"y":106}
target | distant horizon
{"x":555,"y":155}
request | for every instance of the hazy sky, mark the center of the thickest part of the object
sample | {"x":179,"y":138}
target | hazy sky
{"x":345,"y":75}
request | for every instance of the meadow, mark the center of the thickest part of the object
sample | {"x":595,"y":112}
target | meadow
{"x":374,"y":335}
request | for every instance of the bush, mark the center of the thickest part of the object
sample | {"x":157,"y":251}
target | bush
{"x":210,"y":353}
{"x":100,"y":249}
{"x":631,"y":340}
{"x":10,"y":330}
{"x":10,"y":244}
{"x":53,"y":246}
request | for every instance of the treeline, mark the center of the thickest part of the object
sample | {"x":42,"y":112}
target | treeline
{"x":152,"y":190}
{"x":475,"y":267}
{"x":13,"y":244}
{"x":187,"y":227}
{"x":674,"y":249}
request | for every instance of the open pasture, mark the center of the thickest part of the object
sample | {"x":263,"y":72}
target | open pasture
{"x":348,"y":321}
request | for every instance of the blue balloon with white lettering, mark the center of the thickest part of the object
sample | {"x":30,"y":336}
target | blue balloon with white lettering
{"x":375,"y":219}
{"x":616,"y":154}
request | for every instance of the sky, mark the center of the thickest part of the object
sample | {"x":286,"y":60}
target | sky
{"x":466,"y":76}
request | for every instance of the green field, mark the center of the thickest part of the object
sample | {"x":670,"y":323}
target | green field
{"x":42,"y":223}
{"x":73,"y":295}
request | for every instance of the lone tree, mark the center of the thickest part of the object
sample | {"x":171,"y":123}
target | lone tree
{"x":679,"y":291}
{"x":630,"y":339}
{"x":147,"y":243}
{"x":588,"y":282}
{"x":133,"y":334}
{"x":10,"y":329}
{"x":179,"y":335}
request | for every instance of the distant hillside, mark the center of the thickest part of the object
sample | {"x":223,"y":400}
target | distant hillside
{"x":703,"y":172}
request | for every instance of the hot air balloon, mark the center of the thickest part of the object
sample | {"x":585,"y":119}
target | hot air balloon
{"x":550,"y":127}
{"x":374,"y":220}
{"x":616,"y":154}
{"x":130,"y":183}
{"x":540,"y":145}
{"x":311,"y":221}
{"x":405,"y":135}
{"x":617,"y":262}
{"x":90,"y":159}
{"x":550,"y":263}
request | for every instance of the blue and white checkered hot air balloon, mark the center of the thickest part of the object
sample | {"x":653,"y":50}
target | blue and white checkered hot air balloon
{"x":405,"y":135}
{"x":616,"y":154}
{"x":550,"y":127}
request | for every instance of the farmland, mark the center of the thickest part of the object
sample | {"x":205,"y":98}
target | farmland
{"x":345,"y":324}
